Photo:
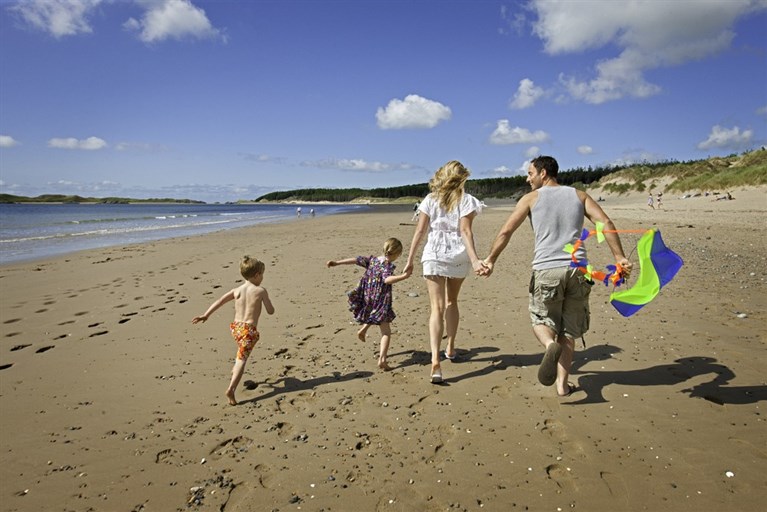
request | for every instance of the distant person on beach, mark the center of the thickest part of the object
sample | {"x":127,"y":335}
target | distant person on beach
{"x":650,"y":201}
{"x":415,"y":212}
{"x":298,"y":211}
{"x":448,"y":256}
{"x":371,"y":302}
{"x":248,"y":299}
{"x":311,"y":212}
{"x":660,"y":200}
{"x":558,"y":293}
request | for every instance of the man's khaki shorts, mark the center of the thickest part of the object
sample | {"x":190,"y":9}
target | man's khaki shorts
{"x":559,"y":299}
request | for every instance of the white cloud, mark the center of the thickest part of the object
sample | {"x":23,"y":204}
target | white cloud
{"x":90,"y":144}
{"x":527,"y":94}
{"x":762,"y":111}
{"x":412,"y":112}
{"x":6,"y":141}
{"x":172,"y":19}
{"x":505,"y":134}
{"x":532,"y":152}
{"x":57,"y":17}
{"x":356,"y":164}
{"x":649,"y":33}
{"x":727,"y":138}
{"x":585,"y":150}
{"x":505,"y":171}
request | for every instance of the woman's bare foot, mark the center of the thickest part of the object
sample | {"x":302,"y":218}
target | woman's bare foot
{"x":230,"y":396}
{"x":382,"y":364}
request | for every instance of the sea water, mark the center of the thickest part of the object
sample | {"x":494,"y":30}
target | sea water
{"x":33,"y":231}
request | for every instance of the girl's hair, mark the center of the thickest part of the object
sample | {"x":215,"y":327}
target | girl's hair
{"x":447,"y":184}
{"x":249,"y":267}
{"x":392,"y":247}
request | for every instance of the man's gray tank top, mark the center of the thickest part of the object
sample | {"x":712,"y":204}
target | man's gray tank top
{"x":557,"y":220}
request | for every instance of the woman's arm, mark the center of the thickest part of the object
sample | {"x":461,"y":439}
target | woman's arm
{"x":420,"y":230}
{"x":467,"y":234}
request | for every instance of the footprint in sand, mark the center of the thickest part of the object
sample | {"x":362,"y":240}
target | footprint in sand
{"x":44,"y":349}
{"x":165,"y":456}
{"x":5,"y":366}
{"x":558,"y":432}
{"x":561,"y":475}
{"x":19,"y":347}
{"x":100,"y":333}
{"x":12,"y":334}
{"x":234,"y":447}
{"x":264,"y":474}
{"x":12,"y":320}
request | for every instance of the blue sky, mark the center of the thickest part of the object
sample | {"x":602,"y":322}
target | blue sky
{"x":227,"y":100}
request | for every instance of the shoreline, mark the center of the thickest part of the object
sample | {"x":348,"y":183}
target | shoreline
{"x":112,"y":399}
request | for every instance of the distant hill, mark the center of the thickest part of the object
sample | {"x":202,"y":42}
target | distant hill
{"x":58,"y":198}
{"x":718,"y":173}
{"x":747,"y":169}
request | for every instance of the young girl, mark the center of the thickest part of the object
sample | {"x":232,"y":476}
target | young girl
{"x":448,"y":256}
{"x":371,"y":301}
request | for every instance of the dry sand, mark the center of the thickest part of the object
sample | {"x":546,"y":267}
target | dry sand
{"x":111,"y":400}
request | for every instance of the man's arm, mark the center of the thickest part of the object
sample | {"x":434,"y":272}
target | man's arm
{"x":520,"y":213}
{"x":595,"y":214}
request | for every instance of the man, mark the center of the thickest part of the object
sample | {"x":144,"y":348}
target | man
{"x":559,"y":293}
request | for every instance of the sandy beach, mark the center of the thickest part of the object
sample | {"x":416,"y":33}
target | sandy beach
{"x":111,"y":400}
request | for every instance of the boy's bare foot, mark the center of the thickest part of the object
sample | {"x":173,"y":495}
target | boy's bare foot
{"x":230,"y":396}
{"x":382,"y":364}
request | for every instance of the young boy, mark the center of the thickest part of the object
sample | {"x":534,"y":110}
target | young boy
{"x":248,"y":299}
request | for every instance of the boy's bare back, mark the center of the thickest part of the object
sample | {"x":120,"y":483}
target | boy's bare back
{"x":248,"y":301}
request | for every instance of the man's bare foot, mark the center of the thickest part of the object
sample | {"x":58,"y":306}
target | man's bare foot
{"x":382,"y":364}
{"x":230,"y":396}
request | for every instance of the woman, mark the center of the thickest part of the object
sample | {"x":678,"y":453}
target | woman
{"x":449,"y":254}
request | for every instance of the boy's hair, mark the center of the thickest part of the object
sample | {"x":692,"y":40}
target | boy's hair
{"x":249,"y":267}
{"x":447,"y":184}
{"x":546,"y":163}
{"x":392,"y":247}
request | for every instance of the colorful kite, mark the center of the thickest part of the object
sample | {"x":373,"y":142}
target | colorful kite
{"x":657,"y":267}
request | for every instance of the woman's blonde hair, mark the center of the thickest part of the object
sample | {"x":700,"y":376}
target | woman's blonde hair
{"x":392,"y":247}
{"x":447,"y":184}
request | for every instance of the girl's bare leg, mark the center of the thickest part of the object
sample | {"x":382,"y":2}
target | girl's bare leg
{"x":385,"y":339}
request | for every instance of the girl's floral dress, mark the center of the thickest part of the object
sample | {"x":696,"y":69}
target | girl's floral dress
{"x":371,"y":301}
